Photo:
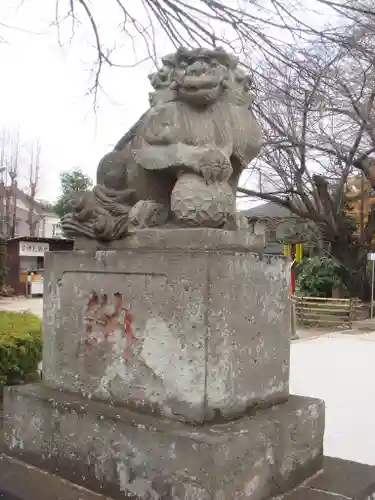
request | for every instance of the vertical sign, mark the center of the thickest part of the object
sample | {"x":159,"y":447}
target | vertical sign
{"x":371,"y":256}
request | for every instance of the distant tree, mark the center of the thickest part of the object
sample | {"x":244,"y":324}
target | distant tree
{"x":10,"y":148}
{"x":71,"y":181}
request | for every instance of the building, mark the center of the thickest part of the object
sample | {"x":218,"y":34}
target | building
{"x":50,"y":226}
{"x":273,"y":223}
{"x":25,"y":261}
{"x":30,"y":218}
{"x":31,"y":229}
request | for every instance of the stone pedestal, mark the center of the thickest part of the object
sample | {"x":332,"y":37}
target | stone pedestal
{"x":203,"y":333}
{"x":165,"y":372}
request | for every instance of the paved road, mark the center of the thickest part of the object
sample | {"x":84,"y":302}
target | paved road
{"x":337,"y":367}
{"x":340,"y":369}
{"x":34,"y":305}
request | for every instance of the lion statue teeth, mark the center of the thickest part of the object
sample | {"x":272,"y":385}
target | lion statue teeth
{"x":182,"y":160}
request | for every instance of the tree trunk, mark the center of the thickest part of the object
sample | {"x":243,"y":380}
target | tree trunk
{"x":358,"y":284}
{"x":354,"y":269}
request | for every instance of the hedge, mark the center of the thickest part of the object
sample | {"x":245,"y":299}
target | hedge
{"x":21,"y":343}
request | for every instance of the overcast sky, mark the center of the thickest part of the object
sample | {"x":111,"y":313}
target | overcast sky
{"x":44,"y":87}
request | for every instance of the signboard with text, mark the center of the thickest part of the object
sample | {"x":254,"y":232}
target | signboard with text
{"x":33,"y":249}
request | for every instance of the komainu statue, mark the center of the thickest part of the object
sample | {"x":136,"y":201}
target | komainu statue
{"x":180,"y":164}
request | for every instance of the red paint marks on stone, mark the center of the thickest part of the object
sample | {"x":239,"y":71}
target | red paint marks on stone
{"x":104,"y":317}
{"x":128,"y":354}
{"x":128,"y":333}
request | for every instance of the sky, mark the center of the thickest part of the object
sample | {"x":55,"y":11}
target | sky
{"x":44,"y":90}
{"x":45,"y":79}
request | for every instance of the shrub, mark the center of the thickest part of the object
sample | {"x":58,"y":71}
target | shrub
{"x":21,"y":343}
{"x":317,"y":276}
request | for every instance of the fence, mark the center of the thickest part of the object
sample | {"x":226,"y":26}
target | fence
{"x":327,"y":312}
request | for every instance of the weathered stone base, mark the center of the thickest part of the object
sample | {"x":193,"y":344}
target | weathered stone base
{"x":115,"y":451}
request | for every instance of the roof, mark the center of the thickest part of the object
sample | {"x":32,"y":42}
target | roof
{"x":268,"y":210}
{"x":273,"y":248}
{"x":38,"y":205}
{"x":38,"y":239}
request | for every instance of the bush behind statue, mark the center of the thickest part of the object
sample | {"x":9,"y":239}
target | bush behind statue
{"x":317,"y":276}
{"x":21,"y":343}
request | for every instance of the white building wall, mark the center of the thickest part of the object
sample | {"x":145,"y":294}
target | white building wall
{"x":20,"y":204}
{"x":48,"y":224}
{"x":50,"y":227}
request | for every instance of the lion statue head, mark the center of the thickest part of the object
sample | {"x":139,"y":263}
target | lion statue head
{"x":199,"y":77}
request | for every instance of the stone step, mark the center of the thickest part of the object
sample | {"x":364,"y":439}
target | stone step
{"x":339,"y":480}
{"x":20,"y":481}
{"x":112,"y":450}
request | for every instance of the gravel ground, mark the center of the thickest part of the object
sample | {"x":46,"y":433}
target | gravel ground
{"x":34,"y":305}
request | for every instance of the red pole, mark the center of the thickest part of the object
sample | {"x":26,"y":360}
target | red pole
{"x":293,"y":281}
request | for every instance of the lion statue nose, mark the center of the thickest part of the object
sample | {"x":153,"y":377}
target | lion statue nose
{"x":197,"y":68}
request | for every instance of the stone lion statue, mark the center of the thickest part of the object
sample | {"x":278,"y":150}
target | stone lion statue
{"x":180,"y":164}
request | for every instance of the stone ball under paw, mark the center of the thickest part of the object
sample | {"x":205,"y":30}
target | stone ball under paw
{"x":198,"y":204}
